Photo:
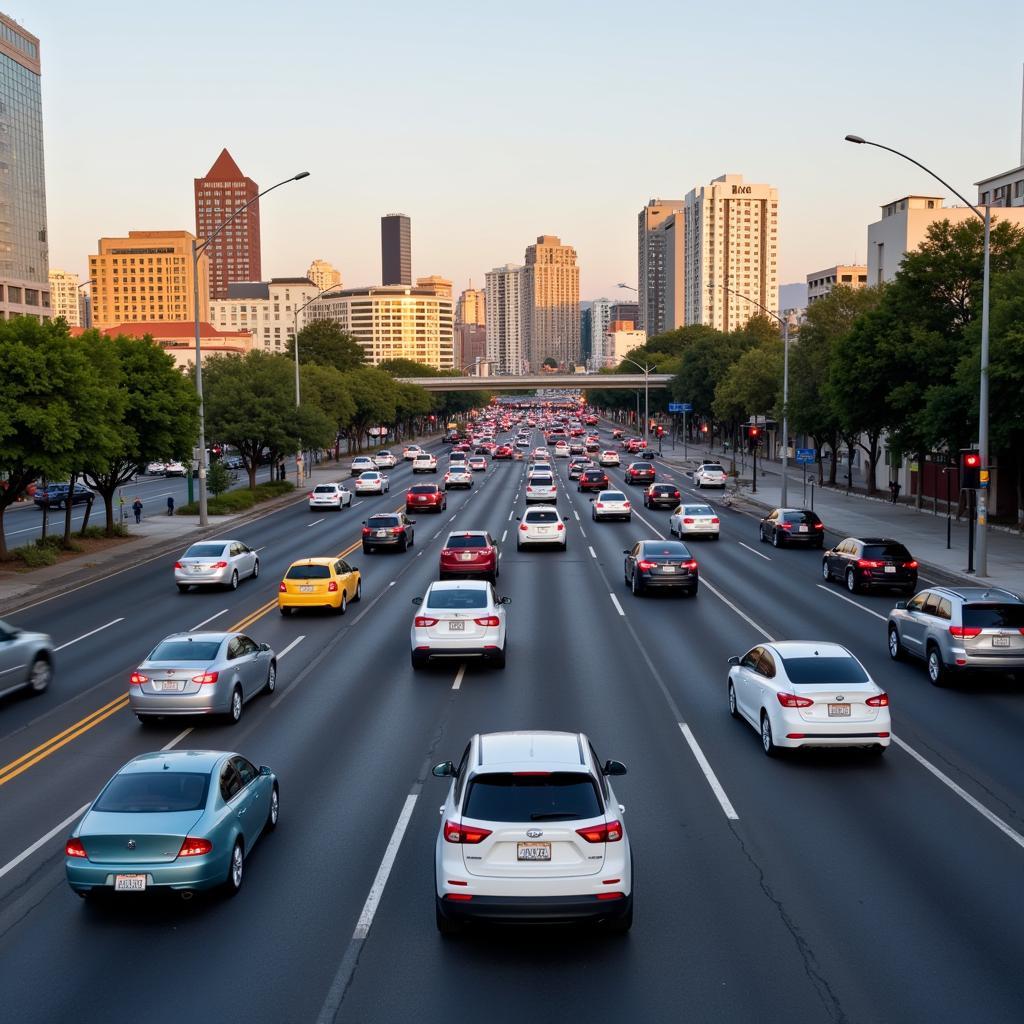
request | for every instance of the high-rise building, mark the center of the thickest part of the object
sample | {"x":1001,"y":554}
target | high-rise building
{"x":65,"y":297}
{"x":235,"y":253}
{"x":732,"y":238}
{"x":471,"y":348}
{"x":821,"y":282}
{"x":471,"y":307}
{"x":146,"y":277}
{"x":651,"y":269}
{"x":395,"y":249}
{"x":626,"y":311}
{"x":668,"y":243}
{"x":552,"y":298}
{"x":324,"y":275}
{"x":264,"y":308}
{"x":506,"y":319}
{"x":24,"y":256}
{"x":586,"y":332}
{"x":600,"y":318}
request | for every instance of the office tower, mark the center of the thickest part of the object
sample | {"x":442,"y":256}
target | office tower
{"x":732,"y":236}
{"x":395,"y":249}
{"x":471,"y":307}
{"x":506,"y":315}
{"x":65,"y":297}
{"x":147,"y":278}
{"x":24,"y":256}
{"x":235,"y":253}
{"x":324,"y":275}
{"x":552,"y":300}
{"x":471,"y":349}
{"x":266,"y":309}
{"x":651,"y":281}
{"x":626,"y":311}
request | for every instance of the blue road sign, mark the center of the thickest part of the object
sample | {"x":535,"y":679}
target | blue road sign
{"x":805,"y":455}
{"x":680,"y":407}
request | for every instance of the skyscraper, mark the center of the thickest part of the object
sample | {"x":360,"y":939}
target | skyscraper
{"x":235,"y":253}
{"x":324,"y":275}
{"x":552,"y":299}
{"x":651,"y":284}
{"x":395,"y":249}
{"x":24,"y":256}
{"x":65,"y":297}
{"x":471,"y":307}
{"x":732,"y":237}
{"x":506,"y":316}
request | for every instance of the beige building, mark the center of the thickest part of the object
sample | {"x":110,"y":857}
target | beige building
{"x":506,"y":319}
{"x":324,"y":275}
{"x":266,"y":309}
{"x":66,"y":299}
{"x":732,"y":238}
{"x":471,"y":307}
{"x":146,"y":278}
{"x":552,"y":299}
{"x":395,"y":321}
{"x":612,"y":345}
{"x":821,"y":282}
{"x":658,"y":313}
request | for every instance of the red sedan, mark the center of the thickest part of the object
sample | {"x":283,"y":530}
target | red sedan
{"x":470,"y":553}
{"x":425,"y":497}
{"x":640,"y":473}
{"x":503,"y":451}
{"x":593,"y":480}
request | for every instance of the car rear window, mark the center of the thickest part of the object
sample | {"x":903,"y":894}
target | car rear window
{"x":154,"y":792}
{"x":893,"y":551}
{"x":424,"y":489}
{"x":185,"y":650}
{"x":205,"y":551}
{"x":800,"y":517}
{"x":663,"y":489}
{"x":824,"y":671}
{"x":669,"y":549}
{"x":456,"y":599}
{"x":642,"y":465}
{"x":466,"y":542}
{"x":994,"y":616}
{"x":594,"y":474}
{"x":711,"y":467}
{"x":369,"y":476}
{"x":309,"y":572}
{"x":541,"y":481}
{"x":383,"y":521}
{"x":698,"y":510}
{"x":613,"y":496}
{"x":508,"y":796}
{"x":324,"y":489}
{"x":541,"y":517}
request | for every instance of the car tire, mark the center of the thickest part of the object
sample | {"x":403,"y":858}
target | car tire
{"x":183,"y":588}
{"x":256,"y":569}
{"x":233,"y":585}
{"x":877,"y":750}
{"x":367,"y":550}
{"x":418,"y":661}
{"x":271,"y":684}
{"x":146,"y":721}
{"x":776,"y":539}
{"x":716,"y":536}
{"x":896,"y":650}
{"x":236,"y":869}
{"x":285,"y":611}
{"x":445,"y":925}
{"x":767,"y":740}
{"x":412,"y":537}
{"x":851,"y":581}
{"x":359,"y":590}
{"x":343,"y":603}
{"x":634,"y":586}
{"x":937,"y":672}
{"x":274,"y":811}
{"x":826,"y":572}
{"x":733,"y":709}
{"x":235,"y":708}
{"x":499,"y":659}
{"x":760,"y":535}
{"x":593,"y":515}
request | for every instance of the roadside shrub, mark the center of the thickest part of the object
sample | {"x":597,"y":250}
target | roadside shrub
{"x":240,"y":500}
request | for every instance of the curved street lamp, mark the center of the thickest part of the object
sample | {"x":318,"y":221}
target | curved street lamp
{"x":647,"y":372}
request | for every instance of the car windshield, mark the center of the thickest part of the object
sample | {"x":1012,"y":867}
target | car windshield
{"x":698,"y":510}
{"x":896,"y":552}
{"x":510,"y":796}
{"x":994,"y":616}
{"x":154,"y":793}
{"x":466,"y":542}
{"x":383,"y":521}
{"x":456,"y":599}
{"x":308,"y":572}
{"x":424,"y":489}
{"x":205,"y":551}
{"x":613,"y":496}
{"x":185,"y":650}
{"x":824,"y":671}
{"x":542,"y":517}
{"x":669,"y":549}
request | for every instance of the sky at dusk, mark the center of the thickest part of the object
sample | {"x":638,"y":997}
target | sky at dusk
{"x":491,"y":125}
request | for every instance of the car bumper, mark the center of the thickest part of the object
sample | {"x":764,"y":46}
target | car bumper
{"x":219,"y":577}
{"x":316,"y":506}
{"x":536,"y":908}
{"x":790,"y":730}
{"x":384,"y":542}
{"x":423,"y":507}
{"x":370,"y":490}
{"x":448,"y":651}
{"x":889,"y":579}
{"x":802,"y":538}
{"x":994,"y":662}
{"x":468,"y":570}
{"x":700,"y":531}
{"x":201,"y":703}
{"x":187,"y":873}
{"x":553,"y":539}
{"x":662,"y":503}
{"x":309,"y":600}
{"x":670,"y":582}
{"x":541,"y":499}
{"x":622,"y":513}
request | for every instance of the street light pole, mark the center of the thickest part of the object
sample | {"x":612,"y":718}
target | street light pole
{"x":647,"y":371}
{"x":197,"y":251}
{"x":981,"y":525}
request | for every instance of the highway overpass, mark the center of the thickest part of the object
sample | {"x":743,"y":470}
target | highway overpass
{"x":529,"y":382}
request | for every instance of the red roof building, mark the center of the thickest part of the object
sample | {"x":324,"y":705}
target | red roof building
{"x":179,"y":339}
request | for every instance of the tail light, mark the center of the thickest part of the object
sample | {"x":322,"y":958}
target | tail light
{"x":689,"y":565}
{"x":447,"y":553}
{"x":880,"y":701}
{"x":869,"y":563}
{"x":195,"y":847}
{"x":332,"y":587}
{"x":786,"y":526}
{"x":282,"y":587}
{"x":625,"y":504}
{"x":962,"y":632}
{"x":205,"y":678}
{"x":819,"y":526}
{"x":488,"y":620}
{"x":528,"y":488}
{"x":791,"y":700}
{"x":178,"y":565}
{"x":367,"y":531}
{"x":611,"y":896}
{"x":910,"y":565}
{"x":74,"y":848}
{"x":220,"y":565}
{"x":688,"y":520}
{"x":561,"y":526}
{"x":456,"y":833}
{"x":397,"y":529}
{"x":646,"y":565}
{"x":522,"y":526}
{"x":605,"y":832}
{"x":598,"y":504}
{"x":310,"y":494}
{"x":422,"y":621}
{"x":137,"y":679}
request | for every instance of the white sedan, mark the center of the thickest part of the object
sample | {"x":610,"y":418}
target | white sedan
{"x":424,"y":463}
{"x":709,"y":474}
{"x":694,"y":520}
{"x":335,"y":496}
{"x":372,"y":482}
{"x":611,"y":505}
{"x":385,"y":460}
{"x":362,"y":464}
{"x":609,"y":458}
{"x":800,"y":694}
{"x":174,"y":468}
{"x":410,"y":451}
{"x":459,"y":619}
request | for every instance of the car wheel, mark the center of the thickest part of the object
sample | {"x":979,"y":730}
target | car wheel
{"x":271,"y":684}
{"x":343,"y":605}
{"x":183,"y":588}
{"x":826,"y":573}
{"x":896,"y":651}
{"x":236,"y":869}
{"x":146,"y":721}
{"x":877,"y":750}
{"x":760,"y":533}
{"x":235,"y":708}
{"x":776,"y":539}
{"x":635,"y":586}
{"x":418,"y":661}
{"x":593,"y":515}
{"x":445,"y":925}
{"x":716,"y":536}
{"x":234,"y":579}
{"x":405,"y":543}
{"x":256,"y":569}
{"x":937,"y":674}
{"x":819,"y":543}
{"x":767,"y":741}
{"x":274,"y":813}
{"x":284,"y":611}
{"x":39,"y":675}
{"x":733,"y":710}
{"x":851,"y":581}
{"x":499,"y":659}
{"x":359,"y":590}
{"x":367,"y":550}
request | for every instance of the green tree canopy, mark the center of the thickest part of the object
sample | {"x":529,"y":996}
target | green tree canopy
{"x":374,"y":394}
{"x":752,"y":385}
{"x":325,"y":343}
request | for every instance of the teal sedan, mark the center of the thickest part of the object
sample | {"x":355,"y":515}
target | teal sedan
{"x":180,"y":820}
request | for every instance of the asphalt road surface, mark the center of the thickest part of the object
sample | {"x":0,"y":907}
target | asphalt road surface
{"x":825,"y":886}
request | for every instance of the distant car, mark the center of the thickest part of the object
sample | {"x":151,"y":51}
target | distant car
{"x":457,"y":620}
{"x":174,"y":468}
{"x":335,"y":496}
{"x":220,"y":563}
{"x":541,"y":525}
{"x":372,"y":482}
{"x":784,"y":526}
{"x":799,"y":694}
{"x":26,"y":660}
{"x":424,"y":463}
{"x":694,"y":520}
{"x":410,"y":451}
{"x":425,"y":497}
{"x":362,"y":464}
{"x":155,"y":468}
{"x":385,"y":460}
{"x":56,"y":495}
{"x":173,"y":820}
{"x":502,"y":453}
{"x":319,"y":583}
{"x":593,"y":480}
{"x":869,"y":563}
{"x":709,"y":474}
{"x":478,"y":464}
{"x":611,"y":505}
{"x":660,"y":564}
{"x":470,"y":553}
{"x":577,"y":448}
{"x":576,"y":466}
{"x":205,"y":673}
{"x":661,"y":496}
{"x":608,"y":458}
{"x":388,"y":530}
{"x":541,"y":487}
{"x":561,"y":450}
{"x":457,"y":459}
{"x":640,"y":473}
{"x":616,"y":434}
{"x":458,"y":476}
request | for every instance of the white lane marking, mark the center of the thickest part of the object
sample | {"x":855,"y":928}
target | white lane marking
{"x":593,"y":554}
{"x":754,"y":551}
{"x":352,"y":504}
{"x":926,"y":580}
{"x":436,"y":535}
{"x":42,"y":841}
{"x":295,"y":643}
{"x":709,"y":774}
{"x":217,"y":615}
{"x":511,"y":513}
{"x":91,"y":632}
{"x":314,"y":523}
{"x":856,"y":604}
{"x":618,"y":607}
{"x":583,"y":532}
{"x":452,"y":516}
{"x":960,"y":792}
{"x":739,"y":611}
{"x":362,"y":928}
{"x":576,"y":514}
{"x":457,"y":685}
{"x":649,"y":523}
{"x":503,"y":536}
{"x":177,"y":739}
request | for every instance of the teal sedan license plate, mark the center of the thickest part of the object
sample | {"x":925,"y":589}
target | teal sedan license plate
{"x":129,"y":883}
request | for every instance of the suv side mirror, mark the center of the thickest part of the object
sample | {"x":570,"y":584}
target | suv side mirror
{"x":444,"y":770}
{"x":901,"y":604}
{"x":734,"y":660}
{"x":505,"y":600}
{"x":613,"y":768}
{"x":363,"y":522}
{"x":625,"y":551}
{"x":264,"y":647}
{"x":417,"y":600}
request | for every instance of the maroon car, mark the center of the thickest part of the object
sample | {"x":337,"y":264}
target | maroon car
{"x":593,"y":480}
{"x":640,"y":473}
{"x":426,"y":498}
{"x":469,"y":553}
{"x":503,"y":451}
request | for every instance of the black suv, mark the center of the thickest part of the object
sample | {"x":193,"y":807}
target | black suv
{"x":792,"y":526}
{"x":864,"y":562}
{"x":388,"y":530}
{"x":661,"y":496}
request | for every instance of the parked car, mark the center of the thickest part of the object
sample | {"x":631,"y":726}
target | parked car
{"x":216,"y":563}
{"x":155,"y":468}
{"x":26,"y":660}
{"x":175,"y":468}
{"x":783,"y":526}
{"x":870,"y":562}
{"x":56,"y":495}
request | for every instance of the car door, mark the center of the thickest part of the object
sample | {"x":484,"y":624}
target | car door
{"x":675,"y":521}
{"x":765,"y":684}
{"x":13,"y":655}
{"x":254,"y":662}
{"x":631,"y":558}
{"x":346,"y":578}
{"x":768,"y":524}
{"x":253,"y":798}
{"x":913,"y":622}
{"x":248,"y":557}
{"x":746,"y":680}
{"x":236,"y":809}
{"x":237,"y":666}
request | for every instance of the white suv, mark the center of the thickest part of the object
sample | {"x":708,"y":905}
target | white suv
{"x":709,"y":474}
{"x":541,"y":486}
{"x":424,"y":463}
{"x":541,"y":525}
{"x":329,"y":496}
{"x":459,"y":619}
{"x":532,"y":831}
{"x":362,"y":464}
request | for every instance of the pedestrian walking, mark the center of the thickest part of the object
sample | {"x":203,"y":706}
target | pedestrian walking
{"x":137,"y":509}
{"x":170,"y":504}
{"x":894,"y":490}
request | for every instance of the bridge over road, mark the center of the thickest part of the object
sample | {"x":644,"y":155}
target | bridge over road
{"x":527,"y":382}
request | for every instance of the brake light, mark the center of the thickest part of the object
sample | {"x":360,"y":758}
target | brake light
{"x":880,"y":701}
{"x":692,"y":564}
{"x":868,"y":563}
{"x":715,"y":519}
{"x":561,"y":526}
{"x":178,"y":565}
{"x":598,"y":504}
{"x":786,"y":526}
{"x":910,"y":565}
{"x":459,"y":897}
{"x":688,"y":520}
{"x":398,"y":529}
{"x":137,"y":679}
{"x":205,"y":678}
{"x":282,"y":587}
{"x":469,"y":834}
{"x":74,"y":848}
{"x":611,"y":896}
{"x":528,"y":488}
{"x":422,"y":621}
{"x":366,"y":531}
{"x":522,"y":526}
{"x":310,"y":494}
{"x":447,"y":553}
{"x":819,"y":526}
{"x":962,"y":632}
{"x":646,"y":565}
{"x":220,"y":565}
{"x":605,"y":832}
{"x":195,"y":847}
{"x":488,"y":620}
{"x":791,"y":700}
{"x":625,"y":504}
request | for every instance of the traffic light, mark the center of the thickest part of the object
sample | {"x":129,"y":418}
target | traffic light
{"x":753,"y":436}
{"x":661,"y":431}
{"x":970,"y":469}
{"x":703,"y":428}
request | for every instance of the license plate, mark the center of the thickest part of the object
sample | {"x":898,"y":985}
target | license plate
{"x":533,"y":851}
{"x":457,"y":625}
{"x":890,"y":568}
{"x":129,"y":883}
{"x":382,"y":533}
{"x":803,"y":528}
{"x":171,"y":686}
{"x":1000,"y":641}
{"x":839,"y":711}
{"x":197,"y":568}
{"x":466,"y":558}
{"x":305,"y":590}
{"x":668,"y":568}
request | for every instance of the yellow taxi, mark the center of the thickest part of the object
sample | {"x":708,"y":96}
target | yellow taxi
{"x":319,"y":583}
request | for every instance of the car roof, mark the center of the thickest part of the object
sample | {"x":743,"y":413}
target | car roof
{"x":318,"y":560}
{"x":980,"y":593}
{"x":458,"y":585}
{"x":500,"y":750}
{"x":808,"y":649}
{"x":175,"y":760}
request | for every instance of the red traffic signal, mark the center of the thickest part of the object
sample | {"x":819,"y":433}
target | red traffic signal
{"x":970,"y":469}
{"x":704,"y":428}
{"x":754,"y":432}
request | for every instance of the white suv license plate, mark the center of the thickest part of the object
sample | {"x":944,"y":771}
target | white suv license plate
{"x":533,"y":851}
{"x":1000,"y":641}
{"x":457,"y":626}
{"x":129,"y":883}
{"x":839,"y":711}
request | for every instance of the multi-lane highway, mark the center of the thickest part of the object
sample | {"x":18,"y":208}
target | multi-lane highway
{"x":827,"y":886}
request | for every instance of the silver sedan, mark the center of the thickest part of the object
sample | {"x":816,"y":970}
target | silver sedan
{"x":201,"y":674}
{"x":26,"y":660}
{"x":216,"y":563}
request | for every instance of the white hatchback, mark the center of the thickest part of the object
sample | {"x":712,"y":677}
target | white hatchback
{"x":372,"y":482}
{"x":709,"y":474}
{"x":609,"y":458}
{"x":424,"y":463}
{"x":541,"y":487}
{"x":531,"y":830}
{"x":611,"y":505}
{"x":694,"y":520}
{"x":541,"y":525}
{"x":362,"y":464}
{"x":800,"y":694}
{"x":385,"y":460}
{"x":561,"y":450}
{"x":334,"y":496}
{"x":459,"y":619}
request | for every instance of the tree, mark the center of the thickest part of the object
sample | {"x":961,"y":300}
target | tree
{"x":160,"y":419}
{"x":326,"y":388}
{"x":705,"y":360}
{"x":250,"y":404}
{"x":373,"y":394}
{"x":752,"y":386}
{"x":325,"y":343}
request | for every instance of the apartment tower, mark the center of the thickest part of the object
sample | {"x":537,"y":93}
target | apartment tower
{"x":552,"y":299}
{"x":395,"y":249}
{"x":651,"y":269}
{"x":66,"y":298}
{"x":471,"y":307}
{"x":506,"y":317}
{"x":324,"y":275}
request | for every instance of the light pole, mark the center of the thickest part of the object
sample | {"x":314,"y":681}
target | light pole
{"x":981,"y":526}
{"x":647,"y":371}
{"x":784,"y":324}
{"x":197,"y":251}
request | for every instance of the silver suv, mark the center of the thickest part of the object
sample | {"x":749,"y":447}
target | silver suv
{"x":960,"y":629}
